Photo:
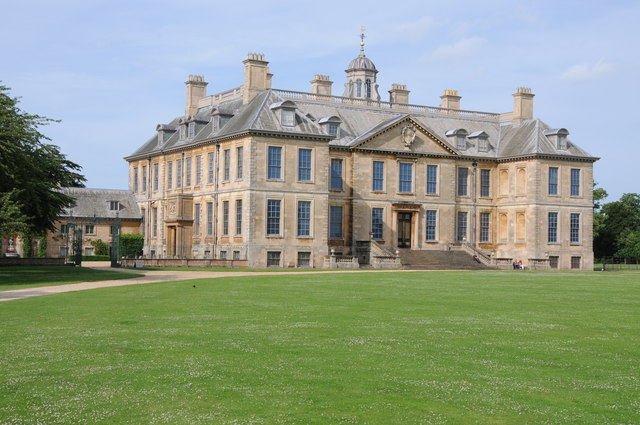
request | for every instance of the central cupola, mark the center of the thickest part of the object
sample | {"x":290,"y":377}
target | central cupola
{"x":361,"y":77}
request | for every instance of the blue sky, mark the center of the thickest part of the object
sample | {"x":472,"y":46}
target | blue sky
{"x":112,"y":71}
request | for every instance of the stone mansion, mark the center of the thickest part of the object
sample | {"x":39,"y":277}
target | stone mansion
{"x":281,"y":178}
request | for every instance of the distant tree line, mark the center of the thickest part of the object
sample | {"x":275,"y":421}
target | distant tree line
{"x":616,"y":225}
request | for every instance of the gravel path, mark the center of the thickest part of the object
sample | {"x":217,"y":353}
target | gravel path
{"x":145,"y":277}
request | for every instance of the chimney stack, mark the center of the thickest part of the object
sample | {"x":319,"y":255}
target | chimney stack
{"x":321,"y":85}
{"x":450,"y":99}
{"x":399,"y":94}
{"x":196,"y":90}
{"x":256,"y":76}
{"x":522,"y":105}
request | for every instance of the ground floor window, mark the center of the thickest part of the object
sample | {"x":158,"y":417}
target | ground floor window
{"x":64,"y":251}
{"x":89,"y":251}
{"x":462,"y":227}
{"x":553,"y":261}
{"x":236,"y":255}
{"x":273,"y":258}
{"x":575,"y":262}
{"x":376,"y":223}
{"x":223,"y":255}
{"x":431,"y":225}
{"x":304,"y":259}
{"x":485,"y":219}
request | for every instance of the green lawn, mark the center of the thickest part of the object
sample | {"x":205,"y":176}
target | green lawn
{"x":370,"y":348}
{"x":31,"y":277}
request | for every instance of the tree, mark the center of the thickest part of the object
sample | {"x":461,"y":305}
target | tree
{"x":615,"y":225}
{"x":101,"y":247}
{"x":31,"y":169}
{"x":12,"y":220}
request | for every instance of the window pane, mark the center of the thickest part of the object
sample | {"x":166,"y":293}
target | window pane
{"x":274,"y":162}
{"x":553,"y":180}
{"x":484,"y":226}
{"x":431,"y":225}
{"x":485,"y":183}
{"x":336,"y":174}
{"x":575,"y":228}
{"x":273,"y":217}
{"x":304,"y":218}
{"x":406,"y":177}
{"x":463,"y":173}
{"x":335,"y":222}
{"x":432,"y":179}
{"x":575,"y":182}
{"x":304,"y":165}
{"x":378,"y":176}
{"x":376,"y":222}
{"x":462,"y":227}
{"x":552,"y":226}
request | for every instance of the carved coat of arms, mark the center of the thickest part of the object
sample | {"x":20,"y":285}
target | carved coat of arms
{"x":408,"y":135}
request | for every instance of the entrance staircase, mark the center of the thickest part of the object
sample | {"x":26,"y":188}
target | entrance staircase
{"x":439,"y":260}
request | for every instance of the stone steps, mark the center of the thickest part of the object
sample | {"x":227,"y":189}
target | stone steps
{"x":439,"y":260}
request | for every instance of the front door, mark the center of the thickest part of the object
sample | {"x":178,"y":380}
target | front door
{"x":404,"y":230}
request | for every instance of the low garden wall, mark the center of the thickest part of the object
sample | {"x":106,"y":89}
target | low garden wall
{"x":17,"y":261}
{"x":182,"y":262}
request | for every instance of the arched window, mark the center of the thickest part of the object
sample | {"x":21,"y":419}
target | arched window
{"x":367,"y":89}
{"x":358,"y":88}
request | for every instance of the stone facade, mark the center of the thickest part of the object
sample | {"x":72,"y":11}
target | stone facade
{"x":281,"y":178}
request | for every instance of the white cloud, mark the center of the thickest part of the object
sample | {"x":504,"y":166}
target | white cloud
{"x":460,"y":50}
{"x":585,"y":71}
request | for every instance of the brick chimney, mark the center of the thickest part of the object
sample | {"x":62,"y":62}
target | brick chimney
{"x":256,"y":76}
{"x":321,"y":85}
{"x":450,"y":99}
{"x":522,"y":105}
{"x":399,"y":94}
{"x":196,"y":90}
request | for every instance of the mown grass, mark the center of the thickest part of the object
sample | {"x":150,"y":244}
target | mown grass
{"x":369,"y":348}
{"x":31,"y":277}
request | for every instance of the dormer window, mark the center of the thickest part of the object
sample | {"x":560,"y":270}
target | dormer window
{"x":183,"y":131}
{"x":483,"y":140}
{"x":192,"y":129}
{"x":331,"y":125}
{"x":558,"y":137}
{"x":460,"y":136}
{"x":287,"y":112}
{"x":288,"y":118}
{"x":114,"y":205}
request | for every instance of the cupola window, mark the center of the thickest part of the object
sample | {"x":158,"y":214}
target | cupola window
{"x":358,"y":88}
{"x":367,"y":89}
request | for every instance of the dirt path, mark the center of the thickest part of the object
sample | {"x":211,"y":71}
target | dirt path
{"x":145,"y":277}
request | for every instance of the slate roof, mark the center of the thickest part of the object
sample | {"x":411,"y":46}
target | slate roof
{"x":97,"y":202}
{"x":359,"y":124}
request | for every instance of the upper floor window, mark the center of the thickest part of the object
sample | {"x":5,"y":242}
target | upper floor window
{"x":463,"y":175}
{"x":240,"y":162}
{"x":156,"y":176}
{"x":178,"y":172}
{"x":198,"y":170}
{"x":210,"y":170}
{"x":405,"y":177}
{"x":90,"y":229}
{"x":575,"y":182}
{"x":227,"y":164}
{"x":377,"y":184}
{"x":304,"y":165}
{"x":336,"y":174}
{"x":485,"y":183}
{"x":170,"y":175}
{"x":187,"y":180}
{"x":432,"y":179}
{"x":274,"y":162}
{"x":135,"y":179}
{"x":553,"y":180}
{"x":144,"y":178}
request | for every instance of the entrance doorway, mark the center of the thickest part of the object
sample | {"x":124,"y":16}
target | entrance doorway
{"x":404,"y":229}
